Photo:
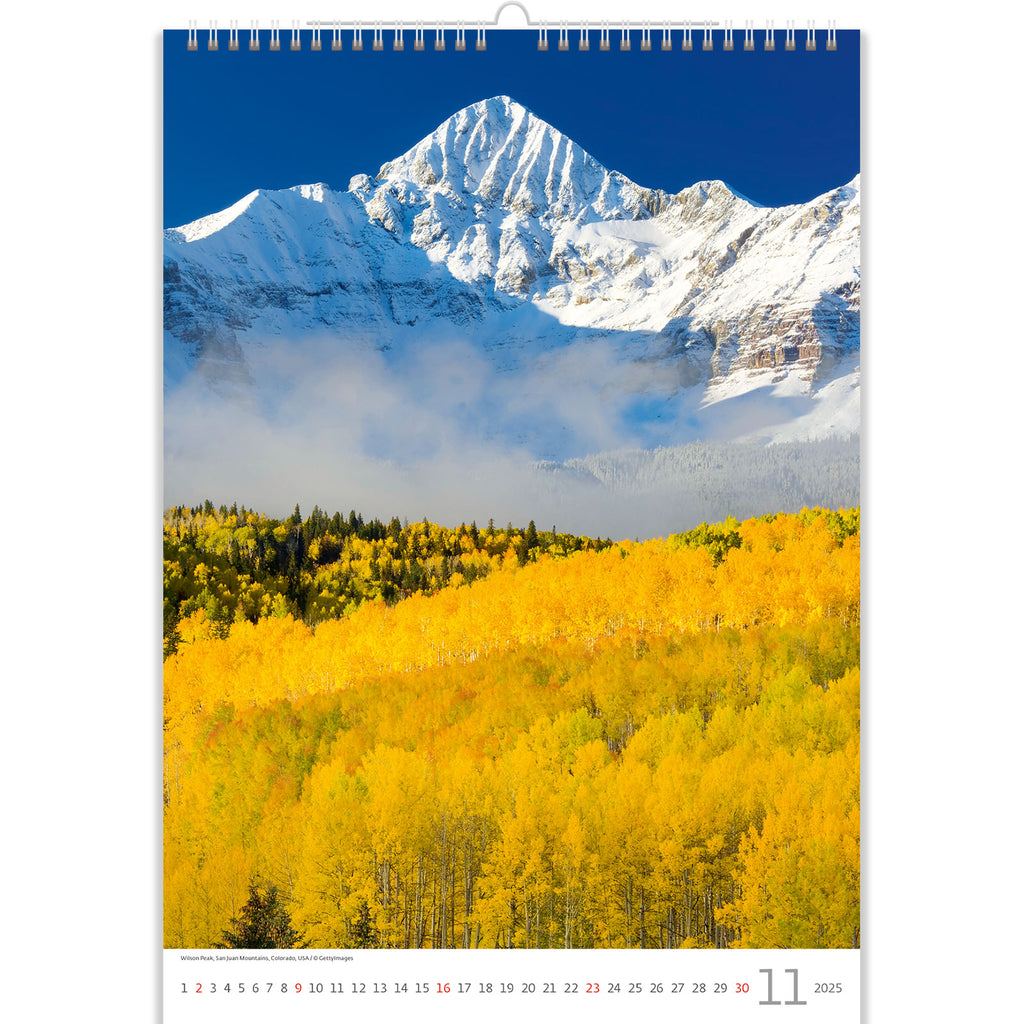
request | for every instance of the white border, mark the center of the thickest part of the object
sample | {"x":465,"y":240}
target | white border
{"x":941,"y":199}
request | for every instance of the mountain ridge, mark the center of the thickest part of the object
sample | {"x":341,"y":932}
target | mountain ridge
{"x":702,"y":296}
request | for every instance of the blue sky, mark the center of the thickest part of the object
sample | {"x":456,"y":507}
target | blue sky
{"x":779,"y":127}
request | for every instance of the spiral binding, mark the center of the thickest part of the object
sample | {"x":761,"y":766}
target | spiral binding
{"x":668,"y":31}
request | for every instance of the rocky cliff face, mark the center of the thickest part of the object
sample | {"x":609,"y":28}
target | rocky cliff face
{"x":500,"y":228}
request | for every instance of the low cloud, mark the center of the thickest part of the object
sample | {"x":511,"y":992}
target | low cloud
{"x":441,"y":431}
{"x":438,"y":431}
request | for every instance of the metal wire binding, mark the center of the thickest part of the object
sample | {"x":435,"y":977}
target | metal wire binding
{"x":625,"y":41}
{"x":211,"y":42}
{"x":233,"y":35}
{"x":192,"y":44}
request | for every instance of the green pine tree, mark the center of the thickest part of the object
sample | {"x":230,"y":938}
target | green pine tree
{"x":531,"y":536}
{"x":264,"y":923}
{"x":364,"y":935}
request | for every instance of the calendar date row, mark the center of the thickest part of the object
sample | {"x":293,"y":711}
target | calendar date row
{"x":444,"y":988}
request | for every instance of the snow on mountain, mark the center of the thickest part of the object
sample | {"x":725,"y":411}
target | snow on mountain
{"x":723,"y":319}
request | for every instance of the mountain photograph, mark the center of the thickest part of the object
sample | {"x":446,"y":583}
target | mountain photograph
{"x":533,"y":311}
{"x":511,"y":534}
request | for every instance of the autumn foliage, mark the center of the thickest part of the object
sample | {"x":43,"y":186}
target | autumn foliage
{"x":648,"y":745}
{"x":226,"y":565}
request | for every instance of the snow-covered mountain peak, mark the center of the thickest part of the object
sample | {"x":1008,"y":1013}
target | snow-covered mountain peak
{"x":501,"y":229}
{"x":210,"y":225}
{"x":461,"y":149}
{"x":314,"y":192}
{"x":500,"y":154}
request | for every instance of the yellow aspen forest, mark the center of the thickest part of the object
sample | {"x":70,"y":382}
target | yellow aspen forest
{"x":587,"y":744}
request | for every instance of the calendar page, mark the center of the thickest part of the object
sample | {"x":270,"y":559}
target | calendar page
{"x":511,"y":521}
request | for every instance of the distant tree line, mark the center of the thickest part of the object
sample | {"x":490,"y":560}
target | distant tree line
{"x":234,"y":564}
